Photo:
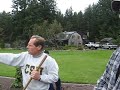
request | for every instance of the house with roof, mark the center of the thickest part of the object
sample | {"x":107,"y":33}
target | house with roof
{"x":69,"y":38}
{"x":106,"y":40}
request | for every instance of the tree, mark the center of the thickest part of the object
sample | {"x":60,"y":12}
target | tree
{"x":107,"y":21}
{"x":81,"y":23}
{"x":6,"y":26}
{"x":54,"y":29}
{"x":68,"y":19}
{"x":28,"y":13}
{"x":41,"y":29}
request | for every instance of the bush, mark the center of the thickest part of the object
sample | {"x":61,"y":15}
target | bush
{"x":2,"y":44}
{"x":81,"y":47}
{"x":18,"y":79}
{"x":71,"y":47}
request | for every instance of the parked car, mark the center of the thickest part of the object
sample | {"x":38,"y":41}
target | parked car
{"x":92,"y":45}
{"x":109,"y":46}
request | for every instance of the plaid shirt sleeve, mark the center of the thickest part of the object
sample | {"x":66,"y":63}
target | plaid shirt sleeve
{"x":107,"y":80}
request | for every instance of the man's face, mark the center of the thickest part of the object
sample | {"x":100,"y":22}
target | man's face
{"x":32,"y":49}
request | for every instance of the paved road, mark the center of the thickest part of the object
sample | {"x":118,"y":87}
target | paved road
{"x":5,"y":83}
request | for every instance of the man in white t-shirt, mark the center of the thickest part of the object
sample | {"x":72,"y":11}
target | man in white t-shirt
{"x":29,"y":61}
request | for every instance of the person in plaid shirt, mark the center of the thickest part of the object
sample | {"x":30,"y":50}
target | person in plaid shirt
{"x":110,"y":80}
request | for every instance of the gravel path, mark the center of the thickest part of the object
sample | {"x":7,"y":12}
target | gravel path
{"x":5,"y":83}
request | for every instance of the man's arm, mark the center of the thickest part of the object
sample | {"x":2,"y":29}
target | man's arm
{"x":12,"y":59}
{"x":52,"y":72}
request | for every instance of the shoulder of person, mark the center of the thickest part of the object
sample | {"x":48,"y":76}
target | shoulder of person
{"x":24,"y":53}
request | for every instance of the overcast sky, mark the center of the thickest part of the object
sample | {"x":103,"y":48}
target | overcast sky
{"x":77,"y":5}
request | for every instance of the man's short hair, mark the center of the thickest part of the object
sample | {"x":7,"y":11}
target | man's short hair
{"x":39,"y":40}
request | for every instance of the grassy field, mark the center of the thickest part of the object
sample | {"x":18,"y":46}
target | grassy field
{"x":75,"y":66}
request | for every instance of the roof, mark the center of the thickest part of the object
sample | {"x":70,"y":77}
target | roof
{"x":65,"y":35}
{"x":106,"y":39}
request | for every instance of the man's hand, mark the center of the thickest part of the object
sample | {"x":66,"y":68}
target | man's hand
{"x":35,"y":75}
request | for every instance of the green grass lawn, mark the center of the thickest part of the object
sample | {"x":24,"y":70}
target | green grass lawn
{"x":75,"y":66}
{"x":81,"y":66}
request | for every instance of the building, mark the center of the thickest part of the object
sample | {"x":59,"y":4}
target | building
{"x":70,"y":38}
{"x":106,"y":40}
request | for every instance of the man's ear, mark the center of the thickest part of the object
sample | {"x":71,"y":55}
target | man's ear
{"x":39,"y":47}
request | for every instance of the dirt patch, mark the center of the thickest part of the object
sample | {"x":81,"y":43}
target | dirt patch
{"x":72,"y":86}
{"x":5,"y":83}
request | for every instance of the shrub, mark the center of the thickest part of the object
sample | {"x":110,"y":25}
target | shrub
{"x":18,"y":79}
{"x":72,"y":47}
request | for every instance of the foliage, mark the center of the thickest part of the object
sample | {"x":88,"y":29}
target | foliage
{"x":2,"y":45}
{"x":41,"y":17}
{"x":80,"y":47}
{"x":54,"y":29}
{"x":29,"y":13}
{"x":5,"y":27}
{"x":18,"y":79}
{"x":48,"y":31}
{"x":70,"y":47}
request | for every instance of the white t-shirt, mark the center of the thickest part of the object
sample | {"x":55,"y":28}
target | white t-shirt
{"x":49,"y":69}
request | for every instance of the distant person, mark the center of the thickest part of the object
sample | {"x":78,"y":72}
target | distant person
{"x":28,"y":61}
{"x":110,"y":80}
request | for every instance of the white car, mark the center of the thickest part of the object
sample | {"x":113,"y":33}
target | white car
{"x":109,"y":46}
{"x":92,"y":45}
